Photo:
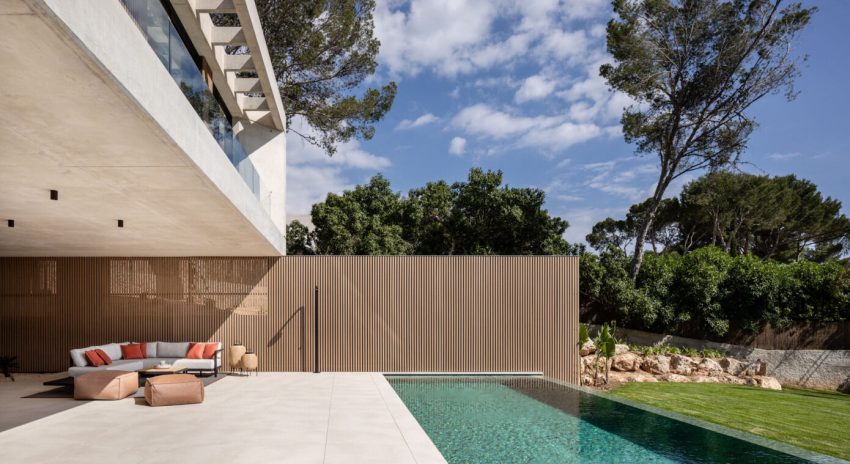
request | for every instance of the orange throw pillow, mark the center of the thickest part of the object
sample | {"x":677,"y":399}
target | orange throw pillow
{"x":93,"y":358}
{"x":132,"y":351}
{"x":209,"y":350}
{"x":103,"y":356}
{"x":196,"y":351}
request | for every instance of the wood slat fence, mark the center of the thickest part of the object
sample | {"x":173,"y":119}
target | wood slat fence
{"x":377,"y":313}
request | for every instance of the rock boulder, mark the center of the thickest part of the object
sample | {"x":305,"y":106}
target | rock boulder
{"x":845,"y":386}
{"x":709,"y":367}
{"x":626,"y":362}
{"x":588,"y":348}
{"x":731,"y":365}
{"x":620,"y":349}
{"x":674,"y":378}
{"x":682,"y":365}
{"x":656,"y":364}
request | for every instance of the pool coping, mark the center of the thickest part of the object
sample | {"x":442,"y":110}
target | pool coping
{"x":734,"y":433}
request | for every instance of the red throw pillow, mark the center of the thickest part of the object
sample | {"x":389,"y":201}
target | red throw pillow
{"x":103,"y":356}
{"x":209,"y":350}
{"x":132,"y":351}
{"x":196,"y":351}
{"x":93,"y":358}
{"x":144,"y":349}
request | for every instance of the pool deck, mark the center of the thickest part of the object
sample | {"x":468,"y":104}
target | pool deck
{"x":273,"y":417}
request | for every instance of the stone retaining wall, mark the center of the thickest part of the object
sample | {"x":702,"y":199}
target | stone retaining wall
{"x":821,"y":369}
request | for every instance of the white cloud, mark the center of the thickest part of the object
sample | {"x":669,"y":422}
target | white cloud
{"x":783,"y":156}
{"x":534,"y":88}
{"x":622,"y":178}
{"x":451,"y":37}
{"x":549,"y":133}
{"x":457,"y":146}
{"x":423,"y":120}
{"x":311,"y":174}
{"x":582,"y":221}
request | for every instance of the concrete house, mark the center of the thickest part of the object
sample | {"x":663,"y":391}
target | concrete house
{"x":159,"y":133}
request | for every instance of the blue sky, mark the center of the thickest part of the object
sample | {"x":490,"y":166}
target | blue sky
{"x":514,"y":86}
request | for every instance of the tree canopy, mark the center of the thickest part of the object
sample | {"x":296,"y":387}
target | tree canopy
{"x":694,"y":68}
{"x":322,"y":53}
{"x":779,"y":218}
{"x":478,"y":216}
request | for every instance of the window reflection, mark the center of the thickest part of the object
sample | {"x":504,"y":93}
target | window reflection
{"x":165,"y":40}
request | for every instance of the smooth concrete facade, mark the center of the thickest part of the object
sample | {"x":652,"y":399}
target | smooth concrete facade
{"x":89,"y":110}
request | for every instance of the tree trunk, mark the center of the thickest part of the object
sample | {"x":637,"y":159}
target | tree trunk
{"x":646,"y":224}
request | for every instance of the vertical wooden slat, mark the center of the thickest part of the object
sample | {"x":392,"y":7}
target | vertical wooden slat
{"x":378,"y":313}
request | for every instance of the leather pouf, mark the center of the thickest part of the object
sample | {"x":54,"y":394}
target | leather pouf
{"x":174,"y":389}
{"x":105,"y":385}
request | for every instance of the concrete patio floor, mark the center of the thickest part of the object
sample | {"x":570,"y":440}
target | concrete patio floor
{"x":273,"y":417}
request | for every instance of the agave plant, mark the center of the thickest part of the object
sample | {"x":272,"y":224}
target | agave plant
{"x":606,"y":347}
{"x":7,"y":363}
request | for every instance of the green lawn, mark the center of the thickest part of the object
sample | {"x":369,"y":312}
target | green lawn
{"x":819,"y":421}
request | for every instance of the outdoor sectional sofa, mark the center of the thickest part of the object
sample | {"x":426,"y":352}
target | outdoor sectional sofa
{"x":173,"y":353}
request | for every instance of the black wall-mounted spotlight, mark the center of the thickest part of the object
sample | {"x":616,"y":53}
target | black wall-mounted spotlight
{"x":121,"y":223}
{"x":11,"y":223}
{"x":54,"y":194}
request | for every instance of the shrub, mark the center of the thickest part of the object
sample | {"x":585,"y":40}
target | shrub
{"x":702,"y":293}
{"x":697,"y":289}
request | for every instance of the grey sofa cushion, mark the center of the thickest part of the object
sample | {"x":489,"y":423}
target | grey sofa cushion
{"x":78,"y":356}
{"x":120,"y":365}
{"x":194,"y":363}
{"x":171,"y":350}
{"x":151,"y":350}
{"x":113,"y":350}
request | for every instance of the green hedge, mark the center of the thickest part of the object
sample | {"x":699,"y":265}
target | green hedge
{"x":707,"y":291}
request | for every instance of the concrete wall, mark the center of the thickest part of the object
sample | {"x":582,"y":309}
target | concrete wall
{"x":119,"y":62}
{"x":266,"y":149}
{"x":822,"y":369}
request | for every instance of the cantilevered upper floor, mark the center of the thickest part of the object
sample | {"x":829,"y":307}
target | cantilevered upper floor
{"x":139,"y":128}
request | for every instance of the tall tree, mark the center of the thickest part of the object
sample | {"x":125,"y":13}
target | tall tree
{"x":362,"y":221}
{"x":479,"y":216}
{"x":299,"y":239}
{"x":322,"y":51}
{"x":694,"y":68}
{"x":777,"y":218}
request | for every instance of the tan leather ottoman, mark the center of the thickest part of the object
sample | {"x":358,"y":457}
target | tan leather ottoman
{"x":172,"y":389}
{"x":105,"y":385}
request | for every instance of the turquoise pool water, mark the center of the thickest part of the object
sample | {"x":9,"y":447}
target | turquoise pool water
{"x":532,"y":420}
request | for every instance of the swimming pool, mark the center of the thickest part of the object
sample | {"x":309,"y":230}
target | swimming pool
{"x":533,"y":420}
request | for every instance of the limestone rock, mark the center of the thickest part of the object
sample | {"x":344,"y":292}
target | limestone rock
{"x":674,"y":378}
{"x":588,"y":348}
{"x":755,"y":368}
{"x":768,"y":382}
{"x":682,"y":365}
{"x":709,"y":367}
{"x":732,"y":379}
{"x":625,"y":377}
{"x":845,"y":386}
{"x":731,"y":365}
{"x":626,"y":362}
{"x":620,"y":349}
{"x":706,"y":379}
{"x":656,"y":364}
{"x":587,"y":363}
